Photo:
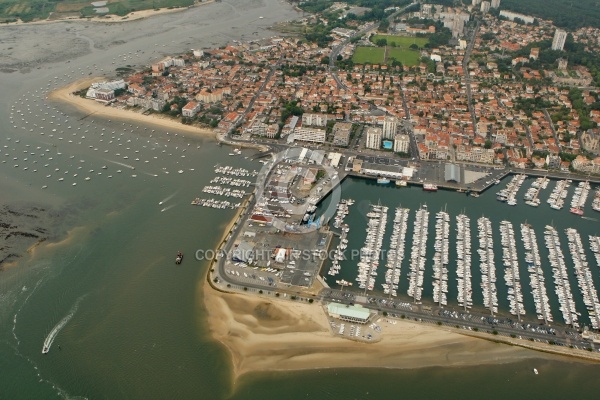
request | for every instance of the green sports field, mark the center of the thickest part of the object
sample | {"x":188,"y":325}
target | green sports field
{"x":368,"y":55}
{"x":406,"y":57}
{"x":377,"y":55}
{"x":401,"y":41}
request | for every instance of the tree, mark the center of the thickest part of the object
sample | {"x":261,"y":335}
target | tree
{"x":381,"y":42}
{"x":325,"y":60}
{"x":413,"y":46}
{"x":488,"y":144}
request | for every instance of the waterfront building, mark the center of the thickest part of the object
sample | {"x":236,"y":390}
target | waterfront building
{"x":312,"y":119}
{"x":374,"y":137}
{"x":401,"y":143}
{"x":512,"y":15}
{"x":310,"y":135}
{"x":341,"y":133}
{"x":191,"y":109}
{"x":390,"y":125}
{"x":105,"y":95}
{"x":354,"y":313}
{"x":558,"y":43}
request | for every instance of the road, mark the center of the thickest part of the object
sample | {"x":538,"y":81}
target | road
{"x":468,"y":76}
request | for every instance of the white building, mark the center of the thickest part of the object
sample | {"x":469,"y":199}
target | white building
{"x":495,"y":3}
{"x":512,"y":15}
{"x":485,"y":7}
{"x":309,"y":135}
{"x":374,"y":138}
{"x":558,"y":43}
{"x":475,"y":2}
{"x":390,"y":124}
{"x":401,"y":143}
{"x":310,"y":119}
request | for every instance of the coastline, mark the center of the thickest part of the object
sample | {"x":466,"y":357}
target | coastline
{"x":65,"y":95}
{"x":263,"y":334}
{"x":112,"y":18}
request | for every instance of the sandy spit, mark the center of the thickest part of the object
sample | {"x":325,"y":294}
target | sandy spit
{"x":65,"y":95}
{"x":267,"y":334}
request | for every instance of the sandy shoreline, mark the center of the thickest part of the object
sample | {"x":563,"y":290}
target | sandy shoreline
{"x":264,"y":334}
{"x":65,"y":95}
{"x":111,"y":18}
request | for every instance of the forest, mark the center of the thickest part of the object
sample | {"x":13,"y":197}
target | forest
{"x":568,"y":14}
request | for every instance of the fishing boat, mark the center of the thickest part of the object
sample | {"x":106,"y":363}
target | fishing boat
{"x":179,"y":258}
{"x":383,"y":181}
{"x":430,"y":187}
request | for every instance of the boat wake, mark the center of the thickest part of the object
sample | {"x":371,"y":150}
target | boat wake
{"x":14,"y":327}
{"x":590,"y":218}
{"x":167,"y":199}
{"x":58,"y":327}
{"x":168,"y":208}
{"x":122,"y":164}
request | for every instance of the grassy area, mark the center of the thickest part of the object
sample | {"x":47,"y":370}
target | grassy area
{"x":406,"y":57}
{"x":401,"y":41}
{"x":29,"y":10}
{"x":377,"y":55}
{"x":368,"y":55}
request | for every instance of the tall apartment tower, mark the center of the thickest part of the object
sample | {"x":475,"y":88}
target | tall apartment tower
{"x":558,"y":43}
{"x":485,"y":7}
{"x":390,"y":124}
{"x":495,"y":3}
{"x":475,"y":2}
{"x":373,"y":138}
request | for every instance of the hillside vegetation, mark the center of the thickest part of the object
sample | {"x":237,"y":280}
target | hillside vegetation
{"x":569,"y":14}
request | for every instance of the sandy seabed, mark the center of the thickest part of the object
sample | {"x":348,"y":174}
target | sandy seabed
{"x":92,"y":107}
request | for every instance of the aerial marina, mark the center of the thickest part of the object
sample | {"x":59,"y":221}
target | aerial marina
{"x":536,"y":273}
{"x":559,"y":194}
{"x":509,"y":194}
{"x":580,"y":197}
{"x":396,"y":252}
{"x":463,"y":262}
{"x":370,"y":254}
{"x":532,"y":195}
{"x":487,"y":265}
{"x":440,"y":258}
{"x":584,"y":277}
{"x":511,"y":269}
{"x":561,"y":278}
{"x":418,"y":254}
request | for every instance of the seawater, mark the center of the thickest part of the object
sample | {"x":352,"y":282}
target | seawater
{"x":367,"y":192}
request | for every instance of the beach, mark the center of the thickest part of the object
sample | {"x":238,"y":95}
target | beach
{"x":264,"y":334}
{"x":132,"y":16}
{"x":88,"y":106}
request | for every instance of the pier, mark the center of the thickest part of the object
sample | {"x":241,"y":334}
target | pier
{"x":536,"y":274}
{"x":417,"y":254}
{"x":487,"y":265}
{"x":561,"y":279}
{"x":463,"y":264}
{"x":511,"y":269}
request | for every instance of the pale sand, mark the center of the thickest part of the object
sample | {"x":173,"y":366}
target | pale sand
{"x":65,"y":95}
{"x":111,"y":18}
{"x":267,"y":334}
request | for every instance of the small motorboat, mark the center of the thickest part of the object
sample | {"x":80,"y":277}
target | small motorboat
{"x":535,"y":371}
{"x":179,"y":258}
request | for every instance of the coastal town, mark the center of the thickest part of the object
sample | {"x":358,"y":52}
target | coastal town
{"x":430,"y":95}
{"x":468,"y":85}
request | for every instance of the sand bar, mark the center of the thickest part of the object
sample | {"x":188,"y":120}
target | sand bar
{"x":267,"y":334}
{"x":65,"y":95}
{"x":111,"y":18}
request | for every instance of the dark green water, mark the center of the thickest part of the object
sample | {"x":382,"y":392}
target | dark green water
{"x":139,"y":330}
